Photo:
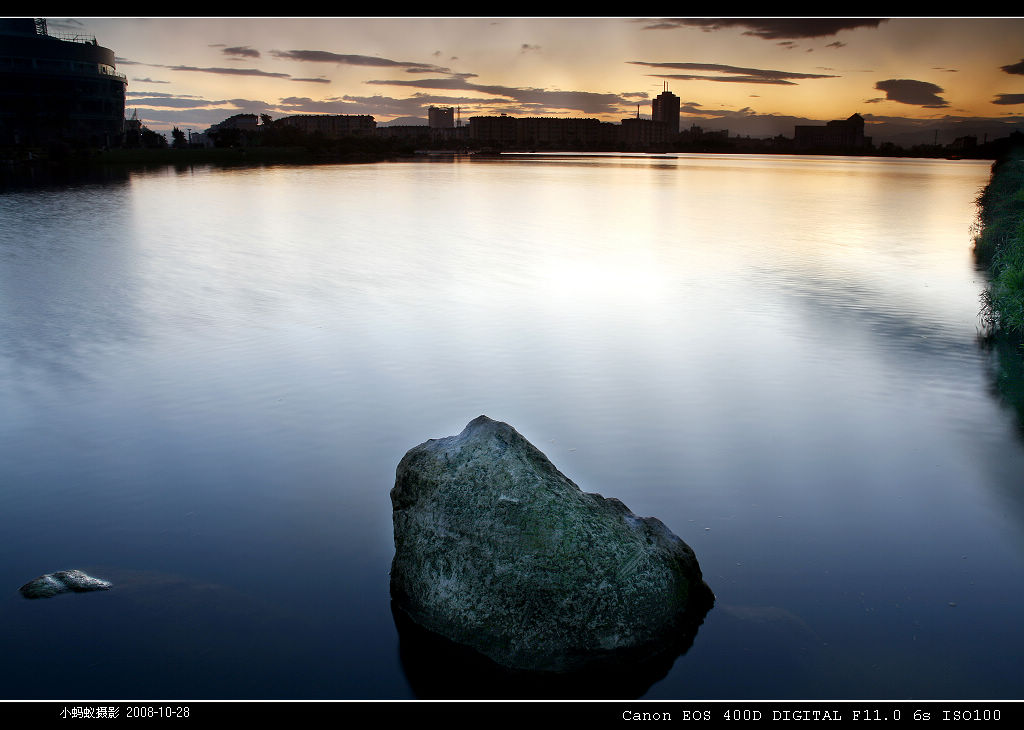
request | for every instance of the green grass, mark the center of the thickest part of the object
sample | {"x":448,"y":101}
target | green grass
{"x":1000,"y":245}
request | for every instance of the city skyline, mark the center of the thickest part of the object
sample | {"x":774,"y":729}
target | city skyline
{"x":756,"y":77}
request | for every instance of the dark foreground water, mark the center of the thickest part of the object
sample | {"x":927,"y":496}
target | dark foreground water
{"x":208,"y":377}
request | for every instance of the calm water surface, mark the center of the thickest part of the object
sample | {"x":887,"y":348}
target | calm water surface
{"x":208,"y":377}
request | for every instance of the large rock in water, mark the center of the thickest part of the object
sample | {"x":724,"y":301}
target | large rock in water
{"x":497,"y":550}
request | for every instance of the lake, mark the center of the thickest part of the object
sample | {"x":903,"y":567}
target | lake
{"x":208,"y":377}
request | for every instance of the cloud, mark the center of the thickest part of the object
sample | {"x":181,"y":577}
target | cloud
{"x":68,"y":24}
{"x":836,"y":44}
{"x":173,"y":102}
{"x":319,"y":80}
{"x":737,"y":74}
{"x":170,"y":101}
{"x":771,"y":28}
{"x":241,"y":52}
{"x":527,"y":47}
{"x":725,"y":79}
{"x":1008,"y":99}
{"x":357,"y":60}
{"x":588,"y":102}
{"x":154,"y":94}
{"x":1014,"y":68}
{"x":150,"y":81}
{"x":917,"y":93}
{"x":228,"y":71}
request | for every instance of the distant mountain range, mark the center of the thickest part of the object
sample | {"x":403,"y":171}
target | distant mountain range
{"x":404,"y":122}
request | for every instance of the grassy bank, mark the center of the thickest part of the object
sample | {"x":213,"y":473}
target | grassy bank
{"x":1000,"y":245}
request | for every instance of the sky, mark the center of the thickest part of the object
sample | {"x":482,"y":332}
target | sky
{"x":912,"y":79}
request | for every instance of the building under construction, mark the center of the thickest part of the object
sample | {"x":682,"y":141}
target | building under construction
{"x":57,"y":87}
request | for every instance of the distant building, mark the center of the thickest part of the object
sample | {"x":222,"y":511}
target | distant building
{"x":57,"y":87}
{"x":665,"y":109}
{"x":542,"y":132}
{"x":332,"y":126}
{"x":642,"y":133}
{"x":441,"y":117}
{"x":500,"y":130}
{"x":246,"y":122}
{"x":839,"y":134}
{"x":964,"y":144}
{"x":699,"y":134}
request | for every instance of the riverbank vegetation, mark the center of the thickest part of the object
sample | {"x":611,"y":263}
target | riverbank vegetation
{"x":1000,"y":245}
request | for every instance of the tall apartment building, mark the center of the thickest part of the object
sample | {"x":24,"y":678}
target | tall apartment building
{"x":332,"y":126}
{"x":57,"y":87}
{"x":839,"y":134}
{"x":665,"y":108}
{"x":543,"y":132}
{"x":441,"y":117}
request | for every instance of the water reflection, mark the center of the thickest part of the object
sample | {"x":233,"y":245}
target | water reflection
{"x":213,"y":373}
{"x":437,"y":668}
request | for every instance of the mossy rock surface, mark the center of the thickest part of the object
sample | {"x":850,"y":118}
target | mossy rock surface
{"x":497,"y":550}
{"x":63,"y":581}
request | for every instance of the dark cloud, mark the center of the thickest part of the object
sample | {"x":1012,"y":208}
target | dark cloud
{"x":125,"y":62}
{"x":737,"y":74}
{"x":241,"y":52}
{"x":169,"y":101}
{"x":154,"y":94}
{"x":725,"y":79}
{"x":916,"y":93}
{"x":527,"y":47}
{"x":835,"y":44}
{"x":229,"y":71}
{"x":584,"y":101}
{"x":771,"y":28}
{"x":788,"y":45}
{"x":1008,"y":99}
{"x":357,"y":60}
{"x":1014,"y":68}
{"x":151,"y":81}
{"x":320,"y":80}
{"x":67,"y":24}
{"x":305,"y":105}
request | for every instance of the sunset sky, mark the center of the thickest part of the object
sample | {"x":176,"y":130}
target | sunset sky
{"x":906,"y":76}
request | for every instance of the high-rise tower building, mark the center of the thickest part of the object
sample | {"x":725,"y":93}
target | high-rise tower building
{"x":665,"y":108}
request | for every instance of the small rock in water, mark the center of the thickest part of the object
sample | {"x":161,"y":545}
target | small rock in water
{"x":63,"y":581}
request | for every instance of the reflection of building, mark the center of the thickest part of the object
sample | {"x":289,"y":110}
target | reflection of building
{"x":57,"y":87}
{"x":839,"y":134}
{"x":665,"y":108}
{"x":441,"y":117}
{"x":332,"y":126}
